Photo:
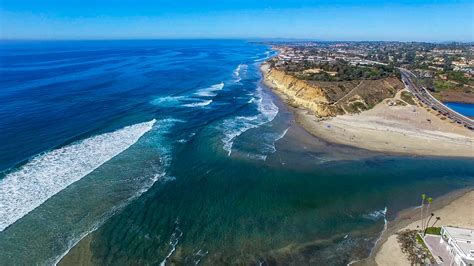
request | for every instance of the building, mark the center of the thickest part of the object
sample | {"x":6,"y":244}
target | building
{"x":459,"y":242}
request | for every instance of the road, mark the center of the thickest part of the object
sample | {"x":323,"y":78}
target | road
{"x":425,"y":97}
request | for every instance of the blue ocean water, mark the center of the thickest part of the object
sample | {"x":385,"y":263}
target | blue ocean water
{"x":141,"y":152}
{"x":465,"y":109}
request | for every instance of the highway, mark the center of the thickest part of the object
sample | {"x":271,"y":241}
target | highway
{"x":425,"y":97}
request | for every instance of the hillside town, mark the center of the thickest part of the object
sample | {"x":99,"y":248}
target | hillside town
{"x":439,"y":67}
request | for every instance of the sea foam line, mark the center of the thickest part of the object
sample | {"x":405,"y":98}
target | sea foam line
{"x":174,"y":240}
{"x":385,"y":221}
{"x":27,"y":187}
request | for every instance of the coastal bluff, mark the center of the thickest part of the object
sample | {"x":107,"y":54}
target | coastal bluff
{"x":378,"y":115}
{"x":329,"y":98}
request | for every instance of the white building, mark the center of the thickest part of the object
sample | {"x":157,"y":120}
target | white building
{"x":459,"y":242}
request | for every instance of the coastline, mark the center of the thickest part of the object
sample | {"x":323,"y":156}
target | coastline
{"x":450,"y":207}
{"x":386,"y":128}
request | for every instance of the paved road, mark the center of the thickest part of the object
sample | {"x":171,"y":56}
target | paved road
{"x":424,"y":96}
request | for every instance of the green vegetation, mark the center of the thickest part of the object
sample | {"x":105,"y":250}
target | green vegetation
{"x":420,"y":240}
{"x":433,"y":230}
{"x":346,"y":72}
{"x":407,"y":97}
{"x":338,"y":71}
{"x":441,"y":85}
{"x":458,"y":76}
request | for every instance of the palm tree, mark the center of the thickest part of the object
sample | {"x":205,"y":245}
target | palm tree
{"x":430,"y":200}
{"x":437,"y":219}
{"x":423,"y":197}
{"x":427,"y":223}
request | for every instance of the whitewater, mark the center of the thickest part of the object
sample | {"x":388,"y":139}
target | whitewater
{"x":45,"y":175}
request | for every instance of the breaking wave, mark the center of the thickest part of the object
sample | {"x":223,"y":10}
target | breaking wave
{"x":234,"y":127}
{"x":237,"y":71}
{"x":157,"y":141}
{"x":375,"y":215}
{"x":268,"y":142}
{"x":27,"y":187}
{"x":198,"y":104}
{"x":169,"y":101}
{"x":210,"y":91}
{"x":195,"y":100}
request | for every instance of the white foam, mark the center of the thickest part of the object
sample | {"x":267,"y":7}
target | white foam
{"x":237,"y":71}
{"x":26,"y":188}
{"x":282,"y":135}
{"x":177,"y":234}
{"x":210,"y":91}
{"x":165,"y":159}
{"x":271,"y":147}
{"x":198,"y":104}
{"x":234,"y":127}
{"x":200,"y":254}
{"x":375,"y":215}
{"x":168,"y":100}
{"x":180,"y":101}
{"x":382,"y":213}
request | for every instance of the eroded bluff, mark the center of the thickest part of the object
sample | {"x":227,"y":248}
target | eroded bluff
{"x":331,"y":98}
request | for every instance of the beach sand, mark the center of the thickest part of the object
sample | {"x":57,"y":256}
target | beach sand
{"x":405,"y":129}
{"x":456,"y":209}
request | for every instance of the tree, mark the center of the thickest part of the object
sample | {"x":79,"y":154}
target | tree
{"x":427,"y":223}
{"x":437,"y":219}
{"x":430,"y":200}
{"x":423,"y":197}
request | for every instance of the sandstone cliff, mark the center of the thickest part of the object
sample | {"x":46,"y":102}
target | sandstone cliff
{"x":326,"y":99}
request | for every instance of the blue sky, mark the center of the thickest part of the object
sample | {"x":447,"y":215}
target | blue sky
{"x":423,"y":20}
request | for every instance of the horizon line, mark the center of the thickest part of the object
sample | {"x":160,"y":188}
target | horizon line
{"x":230,"y":38}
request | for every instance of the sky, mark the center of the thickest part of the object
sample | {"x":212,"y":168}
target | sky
{"x":415,"y":20}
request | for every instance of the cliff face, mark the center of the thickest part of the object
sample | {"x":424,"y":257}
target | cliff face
{"x":326,"y":99}
{"x":300,"y":93}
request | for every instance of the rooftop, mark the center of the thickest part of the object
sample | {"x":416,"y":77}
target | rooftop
{"x":460,"y":234}
{"x":463,"y":238}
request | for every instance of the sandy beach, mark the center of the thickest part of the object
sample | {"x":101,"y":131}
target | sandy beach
{"x":405,"y":129}
{"x":392,"y":126}
{"x":456,"y":209}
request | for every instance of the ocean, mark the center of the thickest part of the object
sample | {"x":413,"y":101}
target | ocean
{"x":173,"y":151}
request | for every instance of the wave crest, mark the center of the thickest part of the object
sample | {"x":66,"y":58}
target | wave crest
{"x":232,"y":128}
{"x":27,"y":187}
{"x":210,"y":91}
{"x":198,"y":104}
{"x":237,"y":72}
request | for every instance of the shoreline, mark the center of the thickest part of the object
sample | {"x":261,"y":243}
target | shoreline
{"x":385,"y":128}
{"x":387,"y":249}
